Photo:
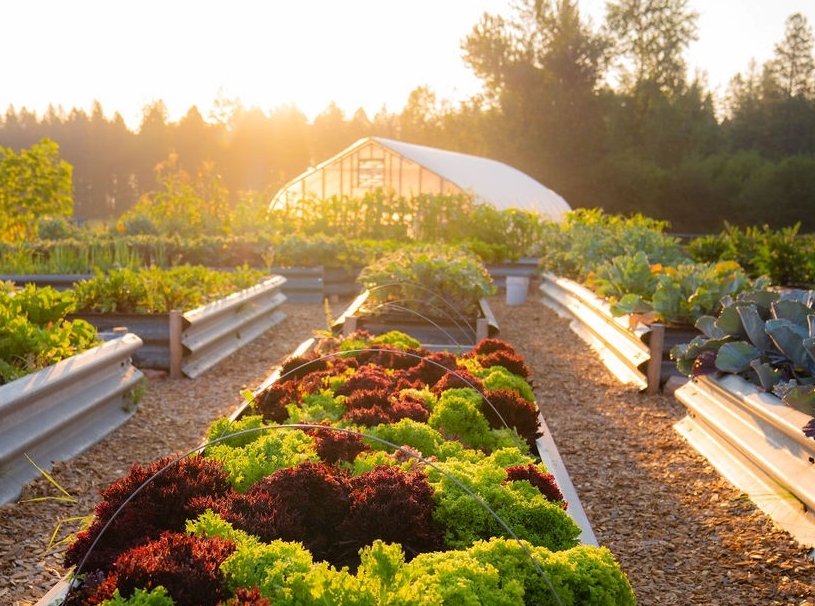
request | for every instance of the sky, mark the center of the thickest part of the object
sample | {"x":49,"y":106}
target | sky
{"x":368,"y":54}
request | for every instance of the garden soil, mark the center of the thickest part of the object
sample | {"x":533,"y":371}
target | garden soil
{"x":681,"y":533}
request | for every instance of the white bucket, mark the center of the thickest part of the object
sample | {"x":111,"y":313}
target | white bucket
{"x":517,"y":289}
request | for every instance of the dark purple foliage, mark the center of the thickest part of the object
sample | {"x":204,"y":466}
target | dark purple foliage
{"x":247,"y":597}
{"x":164,"y":503}
{"x":491,"y":345}
{"x":457,"y":379}
{"x":297,"y":367}
{"x":333,"y":515}
{"x":544,"y":482}
{"x":389,"y":356}
{"x":334,"y":446}
{"x":373,"y":407}
{"x":368,"y":398}
{"x":366,"y":378}
{"x":304,"y":503}
{"x":506,"y":406}
{"x":395,"y":507}
{"x":408,"y":406}
{"x":187,"y":566}
{"x":271,"y":402}
{"x":367,"y":417}
{"x":705,"y":364}
{"x":431,"y":368}
{"x":512,"y":361}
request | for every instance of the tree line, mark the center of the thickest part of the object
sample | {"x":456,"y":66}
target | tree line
{"x":606,"y":116}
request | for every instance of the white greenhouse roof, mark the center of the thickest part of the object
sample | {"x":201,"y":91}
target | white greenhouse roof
{"x":487,"y":180}
{"x":410,"y":169}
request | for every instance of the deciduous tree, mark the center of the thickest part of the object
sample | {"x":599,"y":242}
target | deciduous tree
{"x":33,"y":184}
{"x":650,"y":37}
{"x":541,"y":70}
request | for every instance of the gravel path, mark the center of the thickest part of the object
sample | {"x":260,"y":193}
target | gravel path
{"x":681,"y":533}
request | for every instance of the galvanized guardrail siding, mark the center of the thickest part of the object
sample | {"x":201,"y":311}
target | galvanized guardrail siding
{"x":303,"y":284}
{"x":216,"y":330}
{"x":60,"y":411}
{"x":153,"y":330}
{"x":621,"y":349}
{"x":755,"y":441}
{"x":548,"y":452}
{"x":192,"y":342}
{"x":752,"y":438}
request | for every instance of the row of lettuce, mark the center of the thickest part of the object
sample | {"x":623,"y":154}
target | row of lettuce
{"x":373,"y":472}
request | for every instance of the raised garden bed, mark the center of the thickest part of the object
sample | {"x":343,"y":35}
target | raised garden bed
{"x":56,"y":413}
{"x":635,"y":355}
{"x":435,"y":332}
{"x":750,"y":436}
{"x":754,"y":440}
{"x":192,"y":341}
{"x":520,"y":568}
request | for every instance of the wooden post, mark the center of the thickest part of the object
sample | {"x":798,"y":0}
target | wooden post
{"x":656,"y":344}
{"x":349,"y":326}
{"x":482,"y":329}
{"x":176,"y":350}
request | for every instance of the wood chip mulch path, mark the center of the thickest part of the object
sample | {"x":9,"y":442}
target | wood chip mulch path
{"x":681,"y":533}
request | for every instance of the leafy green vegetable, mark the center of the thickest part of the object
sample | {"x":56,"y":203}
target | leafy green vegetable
{"x":765,"y":336}
{"x":34,"y":331}
{"x":435,"y":280}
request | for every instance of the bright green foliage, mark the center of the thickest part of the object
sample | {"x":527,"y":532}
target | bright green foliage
{"x":456,"y":578}
{"x":273,"y":450}
{"x":380,"y":567}
{"x":784,"y":256}
{"x":458,"y":417}
{"x":155,"y":597}
{"x":581,"y":576}
{"x":156,"y":290}
{"x":498,"y":377}
{"x":434,"y":280}
{"x":34,"y":183}
{"x":624,"y":275}
{"x":366,"y":461}
{"x":316,"y":408}
{"x":242,"y":427}
{"x":34,"y":333}
{"x":283,"y":571}
{"x":420,"y":436}
{"x":494,"y":572}
{"x":330,"y":587}
{"x":184,"y":204}
{"x":397,"y":339}
{"x":522,"y":507}
{"x":279,"y":569}
{"x":673,"y":295}
{"x":589,"y":237}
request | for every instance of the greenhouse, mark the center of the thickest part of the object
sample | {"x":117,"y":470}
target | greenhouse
{"x":407,"y":170}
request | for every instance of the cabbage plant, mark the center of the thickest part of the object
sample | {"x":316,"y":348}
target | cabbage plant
{"x":767,"y":337}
